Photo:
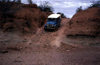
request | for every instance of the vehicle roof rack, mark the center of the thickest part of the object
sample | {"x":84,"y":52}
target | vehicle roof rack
{"x":54,"y":16}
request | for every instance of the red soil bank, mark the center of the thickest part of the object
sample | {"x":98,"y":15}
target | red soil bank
{"x":85,"y":22}
{"x":21,"y":17}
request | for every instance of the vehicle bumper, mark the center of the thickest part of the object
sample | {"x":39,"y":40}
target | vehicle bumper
{"x":49,"y":28}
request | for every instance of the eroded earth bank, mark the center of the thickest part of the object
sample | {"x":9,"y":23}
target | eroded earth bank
{"x":47,"y":48}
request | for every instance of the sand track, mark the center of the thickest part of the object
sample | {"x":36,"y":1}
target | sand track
{"x":48,"y":48}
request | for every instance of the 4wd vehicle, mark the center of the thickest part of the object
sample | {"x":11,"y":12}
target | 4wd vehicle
{"x":53,"y":22}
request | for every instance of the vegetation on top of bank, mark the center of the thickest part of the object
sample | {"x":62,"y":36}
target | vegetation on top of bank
{"x":95,"y":4}
{"x":17,"y":16}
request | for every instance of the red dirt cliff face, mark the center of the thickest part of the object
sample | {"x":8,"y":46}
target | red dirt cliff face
{"x":85,"y":22}
{"x":21,"y":17}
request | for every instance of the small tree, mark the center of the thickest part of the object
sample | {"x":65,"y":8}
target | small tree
{"x":79,"y":9}
{"x":30,"y":2}
{"x":14,"y":0}
{"x":8,"y":0}
{"x":95,"y":4}
{"x":62,"y":14}
{"x":45,"y":6}
{"x":3,"y":0}
{"x":19,"y":1}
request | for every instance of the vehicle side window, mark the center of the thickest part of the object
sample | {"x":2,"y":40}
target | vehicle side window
{"x":58,"y":19}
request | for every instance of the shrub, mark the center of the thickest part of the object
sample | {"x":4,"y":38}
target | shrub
{"x":79,"y":9}
{"x":95,"y":4}
{"x":44,"y":6}
{"x":30,"y":2}
{"x":18,"y":1}
{"x":62,"y":14}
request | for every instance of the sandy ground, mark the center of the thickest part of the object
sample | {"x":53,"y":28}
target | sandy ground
{"x":47,"y":48}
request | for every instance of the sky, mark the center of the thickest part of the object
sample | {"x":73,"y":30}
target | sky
{"x":68,"y":7}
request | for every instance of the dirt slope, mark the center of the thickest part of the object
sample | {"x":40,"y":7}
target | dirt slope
{"x":86,"y":23}
{"x":41,"y":38}
{"x":46,"y":48}
{"x":23,"y":18}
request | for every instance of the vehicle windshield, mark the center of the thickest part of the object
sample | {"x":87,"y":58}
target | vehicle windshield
{"x":51,"y":19}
